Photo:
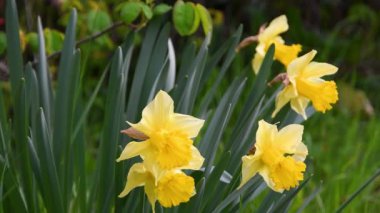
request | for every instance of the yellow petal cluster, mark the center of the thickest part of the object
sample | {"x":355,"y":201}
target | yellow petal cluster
{"x":169,"y":187}
{"x":306,"y":84}
{"x":270,"y":35}
{"x":169,"y":135}
{"x":167,"y":148}
{"x":278,"y":157}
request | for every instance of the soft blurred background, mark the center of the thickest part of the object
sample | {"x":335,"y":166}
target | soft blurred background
{"x":344,"y":144}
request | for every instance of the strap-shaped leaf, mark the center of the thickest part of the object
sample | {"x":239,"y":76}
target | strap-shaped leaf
{"x":44,"y":77}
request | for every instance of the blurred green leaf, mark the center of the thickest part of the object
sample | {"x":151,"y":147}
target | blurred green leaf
{"x":32,"y":41}
{"x":205,"y":18}
{"x":357,"y":192}
{"x":98,"y":20}
{"x":161,"y":9}
{"x":147,"y":11}
{"x":184,"y":18}
{"x":54,"y":40}
{"x":129,"y":11}
{"x":197,"y":19}
{"x":3,"y":42}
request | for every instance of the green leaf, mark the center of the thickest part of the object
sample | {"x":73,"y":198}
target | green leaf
{"x":161,"y":9}
{"x":63,"y":110}
{"x":51,"y":187}
{"x":184,"y":17}
{"x":232,"y":43}
{"x":141,"y":70}
{"x":361,"y":188}
{"x":197,"y":19}
{"x":44,"y":77}
{"x":98,"y":20}
{"x":32,"y":41}
{"x":205,"y":18}
{"x":54,"y":40}
{"x":111,"y":133}
{"x":15,"y":61}
{"x":3,"y":42}
{"x":147,"y":11}
{"x":187,"y":101}
{"x":129,"y":11}
{"x":18,"y":93}
{"x":157,"y":65}
{"x":254,"y":182}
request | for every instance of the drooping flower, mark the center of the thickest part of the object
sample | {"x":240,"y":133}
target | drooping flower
{"x":270,"y":35}
{"x":169,"y":187}
{"x":168,"y":135}
{"x":278,"y":157}
{"x":304,"y":84}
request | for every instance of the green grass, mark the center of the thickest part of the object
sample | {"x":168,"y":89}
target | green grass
{"x":344,"y":151}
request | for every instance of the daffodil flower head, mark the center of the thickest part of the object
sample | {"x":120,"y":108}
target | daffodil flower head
{"x":168,"y":134}
{"x":169,"y":187}
{"x":278,"y":157}
{"x":270,"y":35}
{"x":306,"y":84}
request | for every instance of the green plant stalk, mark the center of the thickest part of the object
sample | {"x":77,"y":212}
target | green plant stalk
{"x":15,"y":63}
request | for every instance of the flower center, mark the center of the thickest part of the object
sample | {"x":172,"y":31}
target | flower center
{"x":287,"y":173}
{"x":321,"y":94}
{"x":173,"y":149}
{"x":271,"y":155}
{"x":175,"y":188}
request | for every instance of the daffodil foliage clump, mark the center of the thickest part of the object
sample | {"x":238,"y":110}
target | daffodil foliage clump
{"x":169,"y":142}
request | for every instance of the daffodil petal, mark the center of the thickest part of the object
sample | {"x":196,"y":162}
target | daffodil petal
{"x":289,"y":137}
{"x":317,"y":70}
{"x":196,"y":161}
{"x":156,"y":113}
{"x":300,"y":152}
{"x":283,"y":98}
{"x":133,"y":149}
{"x":265,"y":132}
{"x":137,"y":176}
{"x":297,"y":65}
{"x":276,"y":27}
{"x":149,"y":189}
{"x":187,"y":124}
{"x":250,"y":166}
{"x":299,"y":105}
{"x":256,"y":62}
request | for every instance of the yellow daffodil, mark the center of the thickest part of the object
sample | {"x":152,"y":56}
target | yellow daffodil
{"x":304,"y":84}
{"x":168,"y":135}
{"x":278,"y":157}
{"x":270,"y":35}
{"x":169,"y":187}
